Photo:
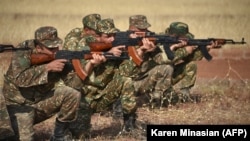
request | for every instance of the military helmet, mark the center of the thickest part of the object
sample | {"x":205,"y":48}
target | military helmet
{"x":106,"y":26}
{"x":91,"y":20}
{"x":139,"y":21}
{"x":48,"y":36}
{"x":179,"y":29}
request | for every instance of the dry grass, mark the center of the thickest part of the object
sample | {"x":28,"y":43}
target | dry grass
{"x":223,"y":101}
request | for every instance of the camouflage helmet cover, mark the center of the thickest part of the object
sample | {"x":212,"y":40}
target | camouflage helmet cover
{"x":106,"y":26}
{"x":139,"y":21}
{"x":91,"y":20}
{"x":179,"y":29}
{"x":48,"y":36}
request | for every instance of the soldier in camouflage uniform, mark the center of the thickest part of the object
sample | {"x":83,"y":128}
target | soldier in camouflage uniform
{"x":185,"y":69}
{"x":75,"y":39}
{"x":155,"y":74}
{"x":30,"y":92}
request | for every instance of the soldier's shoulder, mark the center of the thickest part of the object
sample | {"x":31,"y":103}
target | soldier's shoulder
{"x":76,"y":32}
{"x":27,"y":43}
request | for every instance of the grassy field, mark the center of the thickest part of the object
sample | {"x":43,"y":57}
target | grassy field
{"x":223,"y":102}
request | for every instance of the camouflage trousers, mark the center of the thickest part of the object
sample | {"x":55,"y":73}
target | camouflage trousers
{"x":155,"y":84}
{"x":63,"y":100}
{"x":6,"y":128}
{"x":184,"y":75}
{"x":119,"y":88}
{"x":184,"y":78}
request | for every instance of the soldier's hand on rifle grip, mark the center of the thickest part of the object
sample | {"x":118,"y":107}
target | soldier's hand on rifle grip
{"x":117,"y":51}
{"x":97,"y":59}
{"x":56,"y":65}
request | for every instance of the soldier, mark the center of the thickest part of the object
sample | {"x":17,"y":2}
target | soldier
{"x":30,"y":92}
{"x":75,"y":39}
{"x":155,"y":74}
{"x":185,"y":67}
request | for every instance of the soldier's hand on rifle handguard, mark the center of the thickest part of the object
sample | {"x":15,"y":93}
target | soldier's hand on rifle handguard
{"x":214,"y":44}
{"x":182,"y":43}
{"x":147,"y":46}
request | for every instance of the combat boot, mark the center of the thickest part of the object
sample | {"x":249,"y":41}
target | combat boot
{"x":132,"y":128}
{"x":129,"y":122}
{"x":185,"y":96}
{"x":60,"y":132}
{"x":117,"y":110}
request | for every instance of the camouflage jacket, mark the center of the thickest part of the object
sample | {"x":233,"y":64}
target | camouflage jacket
{"x":101,"y":75}
{"x":75,"y":40}
{"x":26,"y":83}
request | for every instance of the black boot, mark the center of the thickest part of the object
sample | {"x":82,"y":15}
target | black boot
{"x":129,"y":122}
{"x":132,"y":128}
{"x":117,"y":109}
{"x":59,"y":131}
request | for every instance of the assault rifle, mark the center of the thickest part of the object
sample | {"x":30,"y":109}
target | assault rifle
{"x":72,"y":56}
{"x":200,"y":43}
{"x":123,"y":38}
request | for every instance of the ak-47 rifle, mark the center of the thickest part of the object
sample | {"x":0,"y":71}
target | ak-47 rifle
{"x":201,"y":43}
{"x":73,"y":56}
{"x":123,"y":38}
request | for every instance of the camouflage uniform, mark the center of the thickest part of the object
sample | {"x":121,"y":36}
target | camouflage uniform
{"x":30,"y":92}
{"x":154,"y":78}
{"x":184,"y":75}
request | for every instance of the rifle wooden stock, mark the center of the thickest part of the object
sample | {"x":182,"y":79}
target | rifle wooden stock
{"x":100,"y":46}
{"x":41,"y":58}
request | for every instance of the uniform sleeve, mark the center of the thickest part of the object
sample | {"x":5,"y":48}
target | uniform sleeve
{"x":25,"y":75}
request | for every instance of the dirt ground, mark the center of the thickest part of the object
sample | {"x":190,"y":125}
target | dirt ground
{"x":224,"y":68}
